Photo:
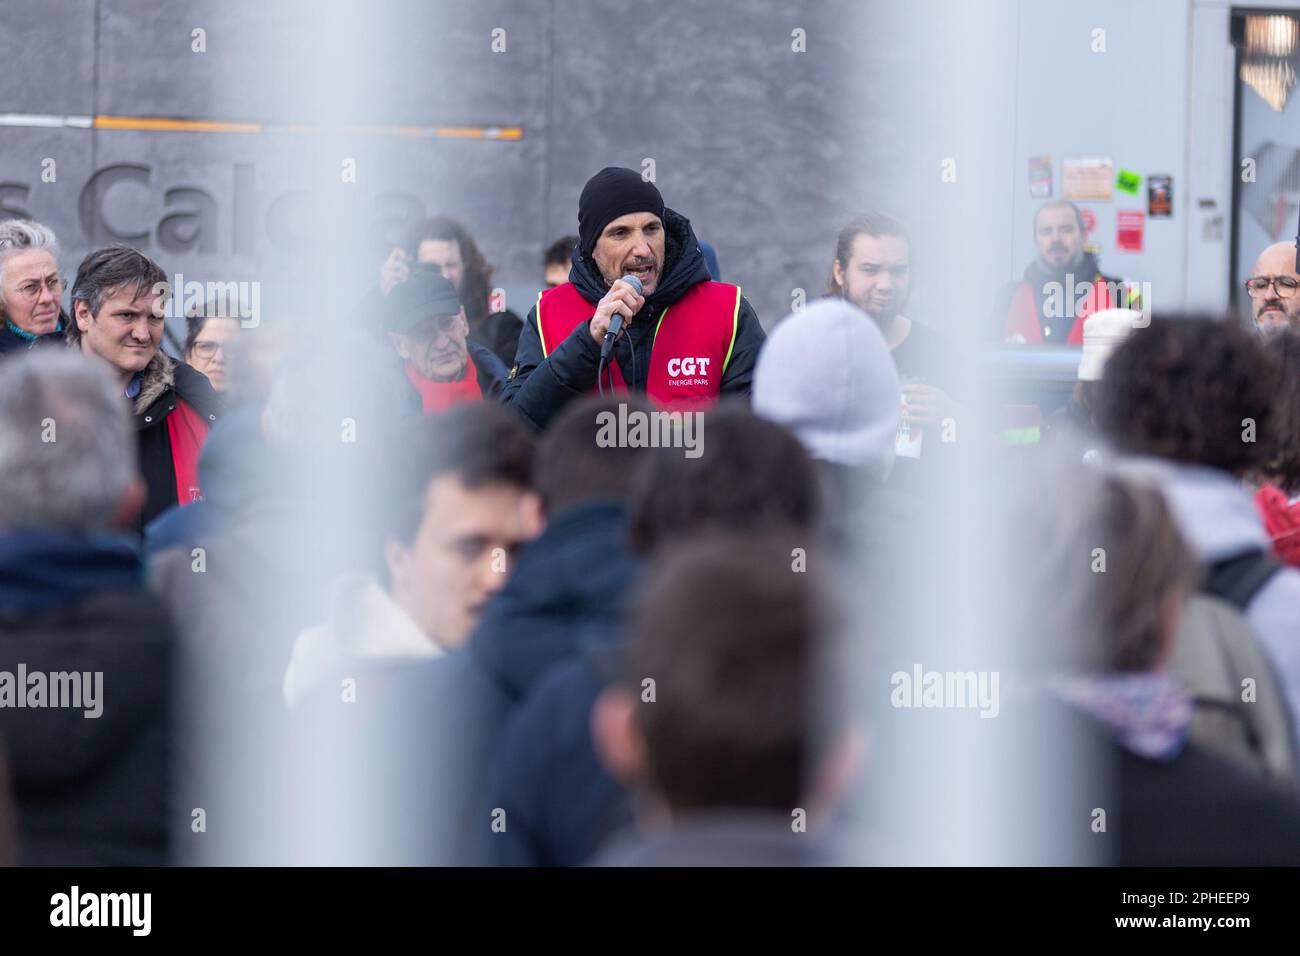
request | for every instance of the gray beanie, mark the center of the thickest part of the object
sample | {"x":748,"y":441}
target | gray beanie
{"x":827,"y":375}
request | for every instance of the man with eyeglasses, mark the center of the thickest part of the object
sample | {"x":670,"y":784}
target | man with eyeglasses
{"x":1272,"y":289}
{"x":118,"y":308}
{"x":429,"y":330}
{"x":30,"y":287}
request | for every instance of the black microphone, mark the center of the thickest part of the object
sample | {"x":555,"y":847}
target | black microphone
{"x":616,"y":322}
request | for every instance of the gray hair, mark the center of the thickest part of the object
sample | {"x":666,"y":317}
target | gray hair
{"x":67,"y":446}
{"x":19,"y":235}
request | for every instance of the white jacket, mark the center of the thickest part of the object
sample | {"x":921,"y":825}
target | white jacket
{"x":364,"y":624}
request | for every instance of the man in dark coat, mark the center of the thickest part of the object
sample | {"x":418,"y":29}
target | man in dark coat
{"x":559,"y":800}
{"x":624,"y":229}
{"x":118,"y":310}
{"x":85,"y":651}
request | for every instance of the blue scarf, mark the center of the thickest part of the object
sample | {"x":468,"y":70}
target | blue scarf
{"x":1148,"y":714}
{"x":30,"y":337}
{"x":40,"y":570}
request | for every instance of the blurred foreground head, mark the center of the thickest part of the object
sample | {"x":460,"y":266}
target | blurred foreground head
{"x":461,"y":508}
{"x":1191,"y":389}
{"x":846,"y":412}
{"x":751,"y":474}
{"x":67,"y":448}
{"x":718,"y":713}
{"x":1105,"y":580}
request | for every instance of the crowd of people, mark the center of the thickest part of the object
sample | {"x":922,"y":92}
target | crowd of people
{"x":405,"y":595}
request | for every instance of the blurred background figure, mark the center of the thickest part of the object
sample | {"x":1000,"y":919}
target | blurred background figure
{"x":207,"y":338}
{"x":556,"y":260}
{"x":427,"y":327}
{"x":1061,"y":287}
{"x":90,"y":781}
{"x":1103,"y":333}
{"x":446,"y":245}
{"x":31,"y":288}
{"x":1272,"y":289}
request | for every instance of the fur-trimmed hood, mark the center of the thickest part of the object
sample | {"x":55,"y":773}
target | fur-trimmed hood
{"x":159,"y":374}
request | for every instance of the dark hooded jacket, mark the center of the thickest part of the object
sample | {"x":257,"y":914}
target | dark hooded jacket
{"x":165,"y":382}
{"x":90,"y":787}
{"x":540,"y":386}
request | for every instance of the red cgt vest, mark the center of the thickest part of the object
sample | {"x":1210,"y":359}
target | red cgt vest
{"x":691,"y":346}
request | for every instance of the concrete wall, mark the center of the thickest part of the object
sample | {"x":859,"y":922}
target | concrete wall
{"x":765,"y":149}
{"x":743,"y":131}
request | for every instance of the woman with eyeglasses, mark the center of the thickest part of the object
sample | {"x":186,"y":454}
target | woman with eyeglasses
{"x":206,"y":340}
{"x":30,"y":287}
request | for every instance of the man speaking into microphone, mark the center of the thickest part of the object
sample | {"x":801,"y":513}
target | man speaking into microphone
{"x":680,"y":338}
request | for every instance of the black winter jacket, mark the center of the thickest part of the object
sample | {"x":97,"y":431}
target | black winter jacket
{"x":165,"y":380}
{"x":540,"y":386}
{"x":91,"y":790}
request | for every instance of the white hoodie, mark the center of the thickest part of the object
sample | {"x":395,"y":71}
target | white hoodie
{"x":1218,"y":518}
{"x":364,"y":624}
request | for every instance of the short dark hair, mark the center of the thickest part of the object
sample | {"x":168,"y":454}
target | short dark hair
{"x":729,"y":634}
{"x":752,"y":474}
{"x":478,"y":274}
{"x":106,"y":270}
{"x":1186,"y":388}
{"x":571,"y":466}
{"x":1061,"y":204}
{"x":481,"y":443}
{"x":1283,"y":467}
{"x":870,"y":224}
{"x":196,"y":320}
{"x":560,"y":252}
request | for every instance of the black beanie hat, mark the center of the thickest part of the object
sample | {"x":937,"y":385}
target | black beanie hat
{"x":424,"y":295}
{"x":611,"y":193}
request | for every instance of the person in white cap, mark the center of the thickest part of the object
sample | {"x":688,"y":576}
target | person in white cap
{"x":846,"y":413}
{"x":1103,"y":333}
